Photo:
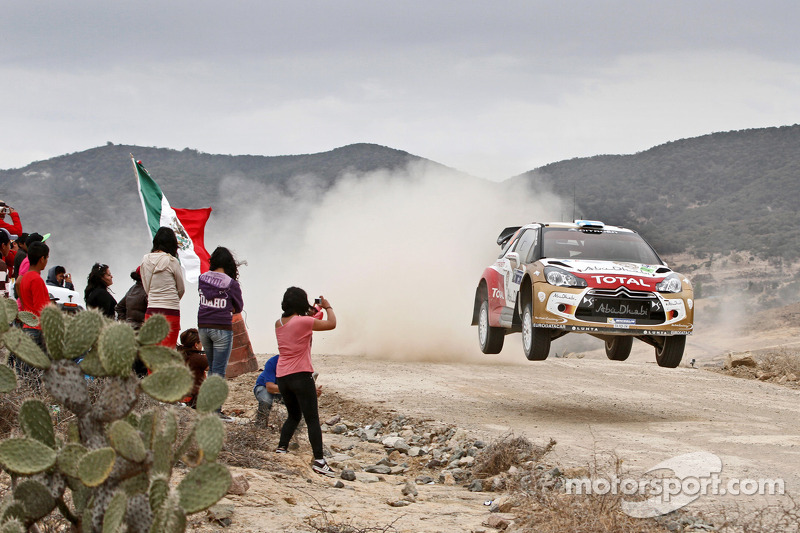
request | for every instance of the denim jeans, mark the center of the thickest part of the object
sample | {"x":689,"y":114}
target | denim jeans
{"x":217,"y":344}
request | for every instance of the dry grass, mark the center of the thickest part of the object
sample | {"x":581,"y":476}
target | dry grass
{"x":781,"y":367}
{"x":506,"y":452}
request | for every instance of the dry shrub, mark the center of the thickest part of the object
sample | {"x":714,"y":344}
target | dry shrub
{"x":506,"y":452}
{"x":780,"y":363}
{"x":246,"y":446}
{"x":781,"y":518}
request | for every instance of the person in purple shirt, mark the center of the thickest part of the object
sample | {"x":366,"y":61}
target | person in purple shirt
{"x":220,"y":299}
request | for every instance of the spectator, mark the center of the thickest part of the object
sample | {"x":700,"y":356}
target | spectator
{"x":295,"y":373}
{"x":33,"y":293}
{"x":192,"y":351}
{"x":266,"y":391}
{"x":163,"y":282}
{"x":22,"y":252}
{"x":59,"y":277}
{"x":5,"y":246}
{"x":220,"y":299}
{"x":96,"y":293}
{"x":24,"y":263}
{"x":132,"y":307}
{"x":15,"y":227}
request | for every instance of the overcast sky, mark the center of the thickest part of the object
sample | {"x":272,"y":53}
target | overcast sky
{"x":491,"y":88}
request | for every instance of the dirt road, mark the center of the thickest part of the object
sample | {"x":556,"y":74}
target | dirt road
{"x":640,"y":412}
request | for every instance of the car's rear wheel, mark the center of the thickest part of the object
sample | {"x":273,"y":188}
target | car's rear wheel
{"x":535,"y":341}
{"x":490,"y":338}
{"x":670,"y":353}
{"x":618,"y":348}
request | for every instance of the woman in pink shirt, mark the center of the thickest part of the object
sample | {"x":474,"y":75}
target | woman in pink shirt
{"x":294,"y":372}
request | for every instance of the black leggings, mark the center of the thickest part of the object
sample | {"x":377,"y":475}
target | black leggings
{"x":300,"y":397}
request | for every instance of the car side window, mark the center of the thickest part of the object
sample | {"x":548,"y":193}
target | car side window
{"x":525,"y":244}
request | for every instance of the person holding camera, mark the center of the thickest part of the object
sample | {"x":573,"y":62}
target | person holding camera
{"x":15,"y":226}
{"x":59,"y":277}
{"x":294,"y":370}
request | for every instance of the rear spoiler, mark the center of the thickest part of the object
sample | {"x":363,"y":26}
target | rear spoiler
{"x":506,"y":234}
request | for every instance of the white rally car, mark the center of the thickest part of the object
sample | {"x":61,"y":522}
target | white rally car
{"x":557,"y":278}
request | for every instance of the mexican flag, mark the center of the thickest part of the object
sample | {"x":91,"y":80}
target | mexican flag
{"x":188,"y":224}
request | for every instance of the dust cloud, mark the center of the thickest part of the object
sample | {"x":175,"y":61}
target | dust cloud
{"x":397,"y":254}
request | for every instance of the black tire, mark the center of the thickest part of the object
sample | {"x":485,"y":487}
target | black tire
{"x":670,"y":353}
{"x":490,"y":338}
{"x":535,"y":341}
{"x":619,"y":347}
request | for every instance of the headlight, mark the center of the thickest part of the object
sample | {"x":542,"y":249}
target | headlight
{"x":671,"y":283}
{"x":562,"y":278}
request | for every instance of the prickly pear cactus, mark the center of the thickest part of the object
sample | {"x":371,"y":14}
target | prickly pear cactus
{"x":111,"y":471}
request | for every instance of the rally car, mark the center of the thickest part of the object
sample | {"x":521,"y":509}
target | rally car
{"x":583,"y":277}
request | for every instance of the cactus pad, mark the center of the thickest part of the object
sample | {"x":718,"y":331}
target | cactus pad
{"x":210,"y":435}
{"x":69,"y":457}
{"x":91,"y":364}
{"x":35,"y":498}
{"x":35,"y":421}
{"x":13,"y":526}
{"x":95,"y":466}
{"x":28,"y":318}
{"x":170,"y":518}
{"x":203,"y":487}
{"x":159,"y":491}
{"x":154,"y":330}
{"x":168,"y":384}
{"x":118,"y":349}
{"x":115,"y":512}
{"x":138,"y":516}
{"x":66,"y":384}
{"x":168,"y":425}
{"x":53,"y":330}
{"x":81,"y":333}
{"x":8,"y":379}
{"x":126,"y":441}
{"x":26,"y":455}
{"x":117,"y":398}
{"x":157,"y":357}
{"x":21,"y":345}
{"x":212,"y":394}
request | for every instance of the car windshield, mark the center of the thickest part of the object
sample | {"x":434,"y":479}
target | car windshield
{"x":566,"y":243}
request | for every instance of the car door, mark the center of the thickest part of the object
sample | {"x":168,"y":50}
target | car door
{"x":513,"y":267}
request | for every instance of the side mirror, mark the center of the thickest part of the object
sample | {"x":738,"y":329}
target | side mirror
{"x":513,"y":257}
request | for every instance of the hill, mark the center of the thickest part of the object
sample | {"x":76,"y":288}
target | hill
{"x":723,"y":192}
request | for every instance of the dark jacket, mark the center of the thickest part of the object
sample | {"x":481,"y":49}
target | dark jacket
{"x":131,"y":308}
{"x":101,"y":299}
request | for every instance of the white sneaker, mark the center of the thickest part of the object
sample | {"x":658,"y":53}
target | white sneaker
{"x":322,"y":468}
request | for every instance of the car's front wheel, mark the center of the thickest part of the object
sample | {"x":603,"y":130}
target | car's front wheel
{"x":670,"y":353}
{"x":535,"y":341}
{"x":490,"y":338}
{"x":619,"y":347}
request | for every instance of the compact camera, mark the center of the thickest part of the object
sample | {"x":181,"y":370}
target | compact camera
{"x":318,"y":301}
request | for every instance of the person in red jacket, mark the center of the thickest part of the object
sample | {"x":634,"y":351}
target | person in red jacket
{"x":33,"y":295}
{"x":15,"y":227}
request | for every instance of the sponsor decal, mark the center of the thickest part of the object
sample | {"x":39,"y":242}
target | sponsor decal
{"x":535,"y":272}
{"x":621,"y":280}
{"x":622,"y":323}
{"x":622,"y":309}
{"x":497,"y":293}
{"x":550,"y":319}
{"x":541,"y":296}
{"x":565,"y":297}
{"x":517,"y":276}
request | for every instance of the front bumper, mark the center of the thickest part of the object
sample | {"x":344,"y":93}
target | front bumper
{"x":617,"y":311}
